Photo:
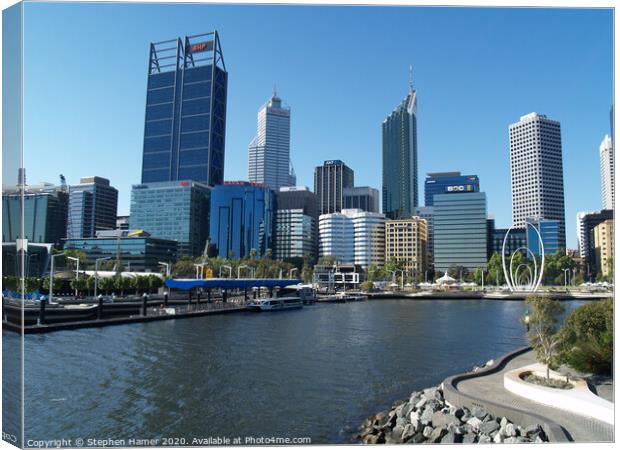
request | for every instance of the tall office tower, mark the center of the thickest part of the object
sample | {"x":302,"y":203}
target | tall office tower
{"x":296,"y":227}
{"x":400,"y":158}
{"x":92,"y":207}
{"x":536,"y":171}
{"x":45,"y":213}
{"x":606,"y":153}
{"x":185,"y":120}
{"x":448,"y":182}
{"x":460,"y":231}
{"x":516,"y":240}
{"x":242,"y":219}
{"x":405,"y":240}
{"x":361,"y":197}
{"x":269,"y":160}
{"x":330,"y":181}
{"x":353,"y":236}
{"x":176,"y":211}
{"x":426,"y":213}
{"x":582,"y":248}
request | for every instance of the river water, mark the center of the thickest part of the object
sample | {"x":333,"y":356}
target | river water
{"x":312,"y":373}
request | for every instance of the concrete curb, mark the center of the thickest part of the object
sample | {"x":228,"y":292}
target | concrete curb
{"x":554,"y":432}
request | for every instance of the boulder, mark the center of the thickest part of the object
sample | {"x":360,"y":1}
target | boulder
{"x":371,"y":439}
{"x":408,"y":432}
{"x":498,"y":438}
{"x":469,"y":438}
{"x":478,"y":412}
{"x":427,"y":416}
{"x":417,"y":438}
{"x":442,"y":419}
{"x":503,"y":422}
{"x":484,"y":439}
{"x":511,"y":440}
{"x":475,"y":423}
{"x":450,"y":438}
{"x":489,"y":427}
{"x":437,"y":434}
{"x":427,"y":432}
{"x":509,"y":430}
{"x":532,"y":429}
{"x":421,"y":403}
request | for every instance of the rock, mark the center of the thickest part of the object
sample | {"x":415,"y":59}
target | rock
{"x":510,"y":430}
{"x":371,"y":439}
{"x":433,"y":404}
{"x":417,"y":438}
{"x":483,"y":439}
{"x":427,"y":416}
{"x":407,"y":409}
{"x":469,"y":438}
{"x":478,"y":412}
{"x":421,"y":403}
{"x":475,"y":423}
{"x":455,"y":428}
{"x":489,"y":427}
{"x":442,"y":419}
{"x":489,"y":363}
{"x":511,"y":440}
{"x":538,"y":440}
{"x":532,"y":429}
{"x":449,"y":438}
{"x":427,"y":432}
{"x":498,"y":438}
{"x":408,"y":432}
{"x":437,"y":434}
{"x":503,"y":422}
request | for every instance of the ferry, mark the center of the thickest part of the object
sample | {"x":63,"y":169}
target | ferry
{"x":275,"y":304}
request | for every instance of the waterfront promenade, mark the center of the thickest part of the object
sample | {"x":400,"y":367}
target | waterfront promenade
{"x":490,"y":388}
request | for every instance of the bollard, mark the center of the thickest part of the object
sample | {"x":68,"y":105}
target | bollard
{"x":165,"y":299}
{"x":99,"y":307}
{"x":255,"y":293}
{"x":209,"y":295}
{"x":42,"y":312}
{"x":245,"y":294}
{"x":144,"y":300}
{"x":198,"y":297}
{"x":224,"y":296}
{"x":270,"y":292}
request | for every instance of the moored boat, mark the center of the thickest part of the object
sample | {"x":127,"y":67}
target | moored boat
{"x":54,"y":313}
{"x":275,"y":304}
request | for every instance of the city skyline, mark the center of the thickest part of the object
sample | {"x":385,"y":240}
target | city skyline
{"x":438,"y":151}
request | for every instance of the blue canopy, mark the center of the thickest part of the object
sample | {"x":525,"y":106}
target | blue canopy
{"x":230,"y":283}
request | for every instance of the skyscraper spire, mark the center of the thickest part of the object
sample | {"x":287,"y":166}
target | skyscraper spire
{"x":410,"y":77}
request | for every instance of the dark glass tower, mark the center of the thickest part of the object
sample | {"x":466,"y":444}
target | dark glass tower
{"x":185,"y":121}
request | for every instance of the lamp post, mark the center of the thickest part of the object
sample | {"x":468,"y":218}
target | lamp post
{"x":77,"y":270}
{"x":241,"y":267}
{"x":167,"y":266}
{"x":482,"y":273}
{"x":52,"y":276}
{"x":566,"y":271}
{"x":97,"y":270}
{"x":402,"y":279}
{"x":290,"y":272}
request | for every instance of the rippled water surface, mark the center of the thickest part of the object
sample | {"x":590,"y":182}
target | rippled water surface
{"x":316,"y":372}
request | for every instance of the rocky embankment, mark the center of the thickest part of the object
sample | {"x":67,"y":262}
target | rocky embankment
{"x":427,"y":418}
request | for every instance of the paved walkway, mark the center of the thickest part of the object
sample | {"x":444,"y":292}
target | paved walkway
{"x":491,"y":388}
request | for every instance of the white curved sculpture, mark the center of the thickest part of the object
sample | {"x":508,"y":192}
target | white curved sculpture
{"x":535,"y":277}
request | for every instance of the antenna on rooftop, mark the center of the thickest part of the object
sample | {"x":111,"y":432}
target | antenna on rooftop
{"x":410,"y":77}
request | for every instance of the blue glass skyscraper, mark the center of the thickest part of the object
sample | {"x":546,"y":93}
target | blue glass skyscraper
{"x":448,"y":183}
{"x":185,"y":120}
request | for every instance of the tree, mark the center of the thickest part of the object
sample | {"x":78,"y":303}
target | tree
{"x":542,"y":333}
{"x":155,"y":282}
{"x":79,"y":284}
{"x":587,"y":338}
{"x":367,"y":286}
{"x":75,"y":253}
{"x":106,"y":284}
{"x":495,"y":270}
{"x":46,"y":283}
{"x":184,"y":267}
{"x":458,"y":272}
{"x":141,"y":283}
{"x":123,"y":283}
{"x":327,"y":260}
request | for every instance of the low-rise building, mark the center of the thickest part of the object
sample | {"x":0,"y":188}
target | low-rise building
{"x":296,"y":227}
{"x":604,"y":247}
{"x":406,"y":240}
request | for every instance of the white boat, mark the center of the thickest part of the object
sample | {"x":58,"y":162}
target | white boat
{"x":275,"y":304}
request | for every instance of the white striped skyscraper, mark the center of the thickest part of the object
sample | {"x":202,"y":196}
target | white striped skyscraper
{"x":536,"y":171}
{"x":269,"y":152}
{"x":606,"y":152}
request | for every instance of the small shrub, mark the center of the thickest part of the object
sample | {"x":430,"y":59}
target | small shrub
{"x":367,"y":286}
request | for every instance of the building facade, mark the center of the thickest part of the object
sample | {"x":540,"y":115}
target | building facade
{"x":448,"y":182}
{"x":140,"y":253}
{"x":406,"y":241}
{"x":269,"y":161}
{"x":185,"y":121}
{"x":606,"y":153}
{"x":426,"y":213}
{"x":45,"y":214}
{"x":604,"y":247}
{"x":296,"y":227}
{"x":400,"y":159}
{"x":460,"y":228}
{"x":353,"y":236}
{"x":361,"y":197}
{"x":330,"y":181}
{"x":536,"y":171}
{"x":242,"y":219}
{"x":516,"y":240}
{"x":586,"y":224}
{"x":92,"y":207}
{"x":176,"y":211}
{"x":549,"y":233}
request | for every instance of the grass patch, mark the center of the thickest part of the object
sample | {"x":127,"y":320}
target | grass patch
{"x":542,"y":381}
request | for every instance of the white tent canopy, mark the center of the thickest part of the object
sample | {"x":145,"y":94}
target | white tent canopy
{"x":446,"y":279}
{"x":111,"y":273}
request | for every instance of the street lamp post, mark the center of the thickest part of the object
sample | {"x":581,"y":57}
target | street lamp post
{"x":77,"y":270}
{"x":566,"y":271}
{"x":241,"y":267}
{"x":229,"y":271}
{"x":97,"y":270}
{"x":167,"y":265}
{"x":51,"y":294}
{"x":290,"y":272}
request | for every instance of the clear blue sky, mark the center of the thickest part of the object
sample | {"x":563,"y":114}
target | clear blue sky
{"x":342,"y":70}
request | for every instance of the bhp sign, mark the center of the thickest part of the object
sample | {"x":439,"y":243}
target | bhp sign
{"x":460,"y":188}
{"x":201,"y":47}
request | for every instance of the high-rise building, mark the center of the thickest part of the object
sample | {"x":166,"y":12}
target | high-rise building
{"x":269,"y":160}
{"x":92,"y":207}
{"x":604,"y":247}
{"x":361,"y":197}
{"x":426,"y":213}
{"x":549,"y":231}
{"x":122,"y":222}
{"x":353,"y":236}
{"x":45,"y":214}
{"x":516,"y":240}
{"x":536,"y":171}
{"x":606,"y":153}
{"x":330,"y":181}
{"x":176,"y":211}
{"x":296,"y":227}
{"x":242,"y":219}
{"x":460,"y":227}
{"x":185,"y":122}
{"x":406,"y":241}
{"x":448,"y":182}
{"x":400,"y":158}
{"x":586,"y":222}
